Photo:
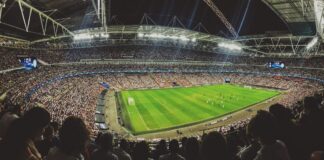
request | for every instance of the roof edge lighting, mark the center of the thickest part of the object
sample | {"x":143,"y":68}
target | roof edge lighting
{"x":230,"y":46}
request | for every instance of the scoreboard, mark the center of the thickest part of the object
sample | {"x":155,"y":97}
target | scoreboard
{"x":28,"y":63}
{"x":276,"y":64}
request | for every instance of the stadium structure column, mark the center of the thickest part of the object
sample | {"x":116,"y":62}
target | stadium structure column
{"x":100,"y":8}
{"x":2,"y":5}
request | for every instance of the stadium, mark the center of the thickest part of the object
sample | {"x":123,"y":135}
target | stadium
{"x":185,"y":79}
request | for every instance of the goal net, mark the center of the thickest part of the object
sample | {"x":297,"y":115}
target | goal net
{"x":249,"y":87}
{"x":131,"y":101}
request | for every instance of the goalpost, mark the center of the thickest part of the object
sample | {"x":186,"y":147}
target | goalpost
{"x":131,"y":101}
{"x":249,"y":87}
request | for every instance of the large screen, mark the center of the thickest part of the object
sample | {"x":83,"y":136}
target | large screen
{"x":28,"y":63}
{"x":276,"y":64}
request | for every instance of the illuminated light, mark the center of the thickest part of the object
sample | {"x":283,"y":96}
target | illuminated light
{"x":230,"y":46}
{"x":184,"y":38}
{"x":312,"y":43}
{"x":162,"y":36}
{"x":106,"y":35}
{"x":82,"y":36}
{"x":154,"y":35}
{"x":140,"y":35}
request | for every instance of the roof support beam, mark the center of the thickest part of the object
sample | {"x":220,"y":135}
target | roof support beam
{"x":319,"y":12}
{"x":285,"y":45}
{"x":222,"y":17}
{"x":23,"y":5}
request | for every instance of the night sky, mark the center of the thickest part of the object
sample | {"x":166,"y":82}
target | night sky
{"x":259,"y":18}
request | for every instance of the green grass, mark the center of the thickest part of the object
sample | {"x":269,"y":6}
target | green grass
{"x":151,"y":110}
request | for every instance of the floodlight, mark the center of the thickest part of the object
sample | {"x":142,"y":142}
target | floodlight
{"x":105,"y":35}
{"x":140,"y":35}
{"x":154,"y":35}
{"x":230,"y":46}
{"x":82,"y":36}
{"x":183,"y":38}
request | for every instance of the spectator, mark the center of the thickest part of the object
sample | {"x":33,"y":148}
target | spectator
{"x":192,"y":149}
{"x":174,"y":152}
{"x":19,"y":141}
{"x":312,"y":126}
{"x":141,"y":151}
{"x":183,"y":144}
{"x":214,"y":147}
{"x":287,"y":129}
{"x":160,"y":149}
{"x":73,"y":136}
{"x":11,"y":114}
{"x":262,"y":127}
{"x":105,"y":151}
{"x":122,"y":151}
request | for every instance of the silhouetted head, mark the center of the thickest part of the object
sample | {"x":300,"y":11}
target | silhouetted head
{"x":141,"y":151}
{"x":281,"y":112}
{"x":214,"y":146}
{"x":162,"y":147}
{"x":174,"y":146}
{"x":22,"y":131}
{"x":36,"y":119}
{"x":263,"y":126}
{"x":73,"y":135}
{"x":106,"y":141}
{"x":192,"y":149}
{"x":124,"y":144}
{"x":183,"y":141}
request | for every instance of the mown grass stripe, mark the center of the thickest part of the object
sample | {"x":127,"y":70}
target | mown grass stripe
{"x":178,"y":109}
{"x":169,"y":108}
{"x":164,"y":110}
{"x":149,"y":119}
{"x":201,"y":102}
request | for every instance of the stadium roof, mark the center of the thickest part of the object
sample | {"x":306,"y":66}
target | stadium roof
{"x":303,"y":17}
{"x":293,"y":10}
{"x":37,"y":19}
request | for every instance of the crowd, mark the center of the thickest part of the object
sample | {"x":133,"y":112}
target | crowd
{"x":67,"y":99}
{"x":282,"y":133}
{"x":79,"y":94}
{"x":148,"y":53}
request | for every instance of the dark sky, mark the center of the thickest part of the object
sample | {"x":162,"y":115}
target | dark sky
{"x":259,"y":18}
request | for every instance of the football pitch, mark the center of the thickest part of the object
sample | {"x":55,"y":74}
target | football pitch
{"x":151,"y":110}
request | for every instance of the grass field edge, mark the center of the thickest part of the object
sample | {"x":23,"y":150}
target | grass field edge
{"x":124,"y":113}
